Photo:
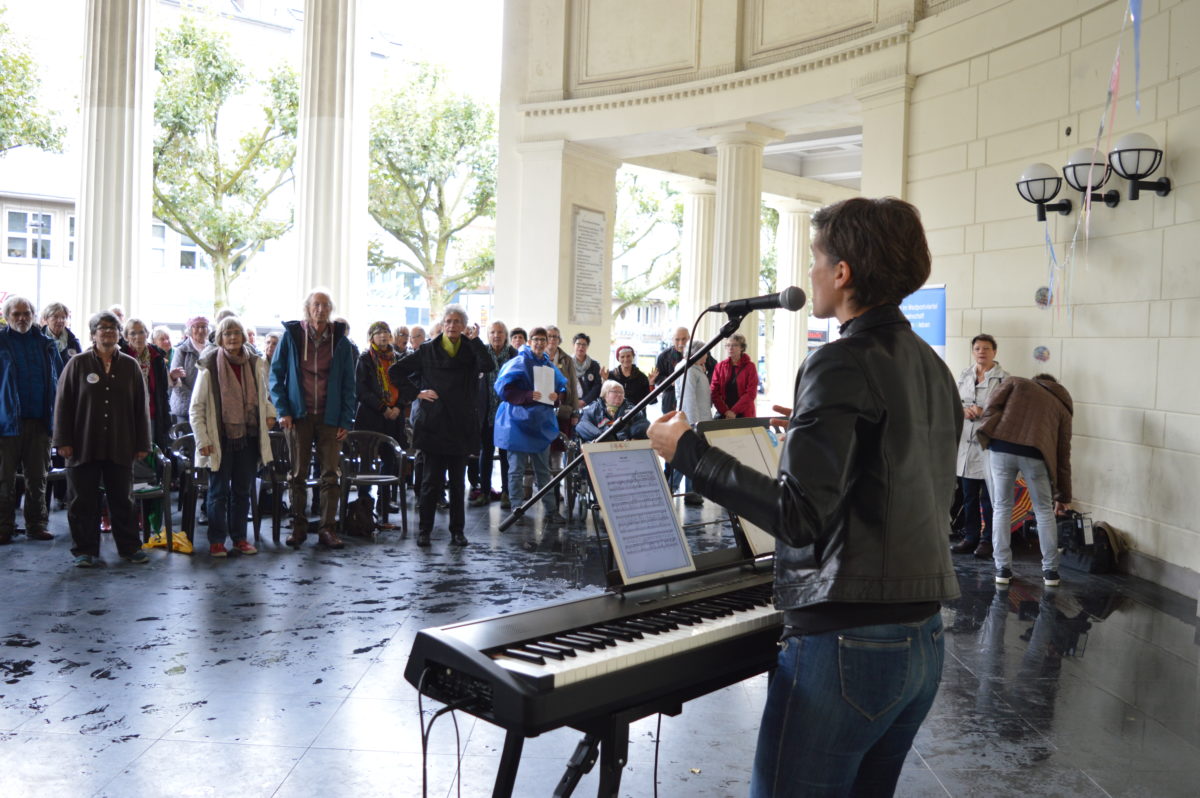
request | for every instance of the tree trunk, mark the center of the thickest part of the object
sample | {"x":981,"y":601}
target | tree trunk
{"x":221,"y":281}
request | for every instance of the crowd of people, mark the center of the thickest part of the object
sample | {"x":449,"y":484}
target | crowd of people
{"x":459,"y":398}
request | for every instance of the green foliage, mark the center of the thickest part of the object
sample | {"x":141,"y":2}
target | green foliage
{"x":769,"y":228}
{"x":211,"y":185}
{"x":22,"y":123}
{"x":642,"y":209}
{"x":433,"y":173}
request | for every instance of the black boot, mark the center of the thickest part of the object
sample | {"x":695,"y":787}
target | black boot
{"x":459,"y":539}
{"x":422,"y":538}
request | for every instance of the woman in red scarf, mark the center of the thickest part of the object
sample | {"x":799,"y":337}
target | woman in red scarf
{"x":154,"y":371}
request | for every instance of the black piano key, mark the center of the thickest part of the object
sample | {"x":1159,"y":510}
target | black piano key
{"x":545,"y":651}
{"x":568,"y":650}
{"x":598,"y":638}
{"x":626,"y":635}
{"x":682,"y":617}
{"x":576,"y":642}
{"x":517,"y":653}
{"x":643,"y":626}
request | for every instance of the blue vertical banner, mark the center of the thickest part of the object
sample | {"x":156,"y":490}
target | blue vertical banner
{"x":925,"y":310}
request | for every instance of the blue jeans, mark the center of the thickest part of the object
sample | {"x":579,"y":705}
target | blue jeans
{"x":1004,"y":477}
{"x":843,"y":708}
{"x":541,"y":475}
{"x":229,"y":490}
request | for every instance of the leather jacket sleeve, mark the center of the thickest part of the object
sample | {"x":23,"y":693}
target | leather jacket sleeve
{"x":834,"y":406}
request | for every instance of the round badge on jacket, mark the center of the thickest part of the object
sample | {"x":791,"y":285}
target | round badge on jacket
{"x":93,"y":378}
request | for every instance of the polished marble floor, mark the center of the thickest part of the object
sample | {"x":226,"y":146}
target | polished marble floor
{"x":282,"y":675}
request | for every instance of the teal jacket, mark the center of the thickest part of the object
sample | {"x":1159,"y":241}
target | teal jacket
{"x":287,"y":391}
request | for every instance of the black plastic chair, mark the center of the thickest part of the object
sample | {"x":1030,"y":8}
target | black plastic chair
{"x":276,"y":476}
{"x":192,"y":482}
{"x":363,"y":463}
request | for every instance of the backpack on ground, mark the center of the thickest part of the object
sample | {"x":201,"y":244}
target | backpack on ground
{"x":360,"y":521}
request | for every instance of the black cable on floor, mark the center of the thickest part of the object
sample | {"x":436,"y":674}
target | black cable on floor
{"x":427,"y":730}
{"x":657,"y":742}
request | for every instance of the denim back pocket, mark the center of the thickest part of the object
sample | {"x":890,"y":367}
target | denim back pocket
{"x":873,"y":673}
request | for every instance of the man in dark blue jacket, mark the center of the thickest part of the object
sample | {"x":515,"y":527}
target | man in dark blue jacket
{"x":29,"y":369}
{"x":312,"y":387}
{"x":860,"y":508}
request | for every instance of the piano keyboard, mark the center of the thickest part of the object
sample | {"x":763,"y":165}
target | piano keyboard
{"x":593,"y":651}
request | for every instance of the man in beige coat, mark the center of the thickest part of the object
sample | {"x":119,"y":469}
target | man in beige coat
{"x":1027,"y":427}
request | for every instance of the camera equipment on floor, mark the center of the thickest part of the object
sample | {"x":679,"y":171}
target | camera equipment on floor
{"x":1086,"y":546}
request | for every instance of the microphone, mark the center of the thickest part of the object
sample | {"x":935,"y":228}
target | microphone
{"x":790,"y":298}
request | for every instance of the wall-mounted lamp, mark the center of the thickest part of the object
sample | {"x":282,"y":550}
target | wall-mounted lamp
{"x":1135,"y":157}
{"x":1039,"y":184}
{"x":1087,"y":167}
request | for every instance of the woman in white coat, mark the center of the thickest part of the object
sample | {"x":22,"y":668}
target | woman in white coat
{"x":697,"y":406}
{"x":975,"y":385}
{"x":230,"y":415}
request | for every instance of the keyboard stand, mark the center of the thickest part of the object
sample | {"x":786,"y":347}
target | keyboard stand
{"x":611,"y":736}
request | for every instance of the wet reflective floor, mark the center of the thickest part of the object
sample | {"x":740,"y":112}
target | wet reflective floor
{"x":282,"y":675}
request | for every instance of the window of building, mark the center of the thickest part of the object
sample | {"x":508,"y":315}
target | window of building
{"x":71,"y":239}
{"x":29,"y":235}
{"x":158,"y":245}
{"x":187,"y":253}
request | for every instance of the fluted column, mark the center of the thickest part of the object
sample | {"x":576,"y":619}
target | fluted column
{"x":736,"y":262}
{"x":696,"y":256}
{"x":112,"y":216}
{"x":791,"y":329}
{"x":331,"y":155}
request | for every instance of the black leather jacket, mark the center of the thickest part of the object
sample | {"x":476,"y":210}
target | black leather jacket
{"x":861,"y":504}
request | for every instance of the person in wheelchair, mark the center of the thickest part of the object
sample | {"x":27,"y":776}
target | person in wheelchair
{"x":602,"y":413}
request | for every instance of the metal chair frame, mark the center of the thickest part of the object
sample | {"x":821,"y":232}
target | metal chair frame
{"x":361,"y":464}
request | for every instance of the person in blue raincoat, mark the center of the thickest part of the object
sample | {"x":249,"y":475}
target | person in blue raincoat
{"x":525,"y":425}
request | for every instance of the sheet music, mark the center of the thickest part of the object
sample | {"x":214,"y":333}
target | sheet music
{"x":636,"y":505}
{"x":543,"y":383}
{"x":757,"y":448}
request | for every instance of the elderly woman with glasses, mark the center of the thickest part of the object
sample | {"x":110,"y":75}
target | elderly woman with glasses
{"x":153,"y":364}
{"x":604,"y":412}
{"x":183,"y":366}
{"x":444,"y":374}
{"x":101,"y":425}
{"x":230,"y":414}
{"x":734,"y":383}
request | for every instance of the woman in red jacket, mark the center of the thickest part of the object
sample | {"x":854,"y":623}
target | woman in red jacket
{"x":735,"y":381}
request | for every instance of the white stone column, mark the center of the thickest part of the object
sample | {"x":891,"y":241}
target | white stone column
{"x":696,"y":256}
{"x":791,"y":329}
{"x":885,"y":135}
{"x":112,"y":215}
{"x":331,"y":166}
{"x":736,"y":261}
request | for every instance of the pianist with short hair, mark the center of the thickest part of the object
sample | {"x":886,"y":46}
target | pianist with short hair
{"x":860,"y":509}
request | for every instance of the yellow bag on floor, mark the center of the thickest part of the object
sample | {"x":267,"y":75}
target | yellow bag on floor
{"x":181,"y":544}
{"x":157,"y":541}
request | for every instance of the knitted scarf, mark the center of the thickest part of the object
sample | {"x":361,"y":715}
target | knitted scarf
{"x":383,"y":357}
{"x":239,"y":398}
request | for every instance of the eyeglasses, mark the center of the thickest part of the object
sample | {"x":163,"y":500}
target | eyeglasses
{"x":538,"y":339}
{"x":106,"y":328}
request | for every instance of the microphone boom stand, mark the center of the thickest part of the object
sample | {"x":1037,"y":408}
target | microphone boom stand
{"x":729,"y":328}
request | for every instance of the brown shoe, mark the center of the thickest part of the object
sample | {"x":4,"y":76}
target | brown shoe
{"x":39,"y":534}
{"x":984,"y":550}
{"x":296,"y":539}
{"x":964,"y":547}
{"x":329,"y":540}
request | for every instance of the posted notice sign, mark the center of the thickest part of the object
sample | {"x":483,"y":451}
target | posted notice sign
{"x":925,"y":310}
